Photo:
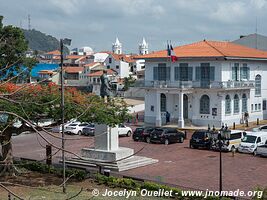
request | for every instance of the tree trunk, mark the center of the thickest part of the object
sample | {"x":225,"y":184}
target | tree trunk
{"x":7,"y":166}
{"x":7,"y":155}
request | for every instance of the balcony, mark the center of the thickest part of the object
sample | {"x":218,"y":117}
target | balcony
{"x":196,"y":84}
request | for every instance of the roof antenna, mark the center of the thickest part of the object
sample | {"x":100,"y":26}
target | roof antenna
{"x":29,"y":22}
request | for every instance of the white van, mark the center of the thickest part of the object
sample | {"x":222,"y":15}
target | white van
{"x":251,"y":141}
{"x":231,"y":141}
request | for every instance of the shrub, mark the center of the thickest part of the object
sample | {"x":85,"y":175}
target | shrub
{"x":43,"y":168}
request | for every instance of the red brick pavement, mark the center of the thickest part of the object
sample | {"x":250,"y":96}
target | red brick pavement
{"x":177,"y":164}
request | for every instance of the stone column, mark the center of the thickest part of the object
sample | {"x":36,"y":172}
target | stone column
{"x":181,"y":111}
{"x":158,"y":111}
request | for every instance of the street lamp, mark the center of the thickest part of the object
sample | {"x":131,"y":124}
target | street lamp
{"x":222,"y":136}
{"x":65,"y":41}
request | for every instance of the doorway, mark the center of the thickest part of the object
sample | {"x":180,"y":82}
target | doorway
{"x":185,"y":104}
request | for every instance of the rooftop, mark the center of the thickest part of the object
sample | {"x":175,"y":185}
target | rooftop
{"x":210,"y":49}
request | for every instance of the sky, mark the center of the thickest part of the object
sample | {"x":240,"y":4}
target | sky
{"x":96,"y":23}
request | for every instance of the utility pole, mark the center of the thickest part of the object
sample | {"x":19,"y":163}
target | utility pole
{"x":67,"y":42}
{"x":62,"y":115}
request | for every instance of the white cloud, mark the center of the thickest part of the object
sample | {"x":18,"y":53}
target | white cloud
{"x":68,"y":7}
{"x":258,"y":4}
{"x":230,"y":12}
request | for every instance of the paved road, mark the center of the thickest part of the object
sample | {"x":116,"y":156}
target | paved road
{"x":177,"y":164}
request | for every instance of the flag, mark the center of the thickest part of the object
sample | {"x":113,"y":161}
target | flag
{"x":172,"y":54}
{"x":168,"y":50}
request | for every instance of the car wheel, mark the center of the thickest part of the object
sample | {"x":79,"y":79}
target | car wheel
{"x":147,"y":139}
{"x":181,"y":140}
{"x":79,"y":132}
{"x":255,"y":152}
{"x":128,"y":133}
{"x":166,"y":142}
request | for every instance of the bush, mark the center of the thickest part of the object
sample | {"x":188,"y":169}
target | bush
{"x":43,"y":168}
{"x":150,"y":186}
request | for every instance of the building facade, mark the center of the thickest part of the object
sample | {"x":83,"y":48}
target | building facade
{"x":210,"y":84}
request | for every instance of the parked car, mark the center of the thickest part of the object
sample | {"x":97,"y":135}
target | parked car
{"x":166,"y":136}
{"x":251,"y":141}
{"x":89,"y":130}
{"x":261,"y":150}
{"x":142,"y":133}
{"x":124,"y":130}
{"x":230,"y":142}
{"x":261,"y":128}
{"x":76,"y":128}
{"x":58,"y":129}
{"x":201,"y":138}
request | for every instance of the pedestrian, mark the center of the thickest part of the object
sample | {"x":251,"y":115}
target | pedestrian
{"x":167,"y":117}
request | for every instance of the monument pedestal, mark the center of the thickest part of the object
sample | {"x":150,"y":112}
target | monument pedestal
{"x":108,"y":154}
{"x":98,"y":154}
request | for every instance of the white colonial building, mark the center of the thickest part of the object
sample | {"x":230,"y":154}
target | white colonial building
{"x":210,"y":84}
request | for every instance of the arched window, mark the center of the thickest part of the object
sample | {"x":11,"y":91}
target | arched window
{"x":258,"y":85}
{"x":236,"y":104}
{"x":244,"y":103}
{"x":228,"y":109}
{"x":205,"y":104}
{"x":162,"y":102}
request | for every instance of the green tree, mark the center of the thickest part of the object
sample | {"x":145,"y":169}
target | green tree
{"x":29,"y":103}
{"x":12,"y":49}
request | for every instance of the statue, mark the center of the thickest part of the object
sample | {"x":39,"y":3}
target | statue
{"x":104,"y":87}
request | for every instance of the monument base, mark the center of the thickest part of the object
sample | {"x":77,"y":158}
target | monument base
{"x":121,"y":165}
{"x":105,"y":155}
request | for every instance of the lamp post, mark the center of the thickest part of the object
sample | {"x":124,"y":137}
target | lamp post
{"x":220,"y":148}
{"x":224,"y":134}
{"x":62,"y":42}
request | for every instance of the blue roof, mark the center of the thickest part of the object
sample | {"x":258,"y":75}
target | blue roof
{"x":42,"y":66}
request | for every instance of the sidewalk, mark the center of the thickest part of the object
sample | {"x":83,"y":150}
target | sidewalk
{"x":192,"y":127}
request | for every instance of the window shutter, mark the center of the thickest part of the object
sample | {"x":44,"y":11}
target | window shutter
{"x":242,"y":72}
{"x":248,"y":73}
{"x":212,"y":73}
{"x":168,"y":73}
{"x":155,"y":73}
{"x":190,"y":73}
{"x":176,"y":73}
{"x":233,"y":73}
{"x":197,"y":73}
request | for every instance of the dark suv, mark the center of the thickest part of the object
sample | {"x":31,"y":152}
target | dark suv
{"x":166,"y":136}
{"x":142,"y":133}
{"x":201,"y":138}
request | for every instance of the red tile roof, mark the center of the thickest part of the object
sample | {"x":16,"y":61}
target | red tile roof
{"x":45,"y":72}
{"x":55,"y":52}
{"x":210,"y":49}
{"x":99,"y":73}
{"x":123,"y":57}
{"x":73,"y":69}
{"x":91,"y":64}
{"x":73,"y":56}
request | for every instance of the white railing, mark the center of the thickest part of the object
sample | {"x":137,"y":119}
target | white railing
{"x":195,"y":84}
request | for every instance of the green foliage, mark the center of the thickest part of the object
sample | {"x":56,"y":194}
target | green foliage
{"x":39,"y":41}
{"x":43,"y":168}
{"x":12,"y":47}
{"x":128,"y":82}
{"x":150,"y":186}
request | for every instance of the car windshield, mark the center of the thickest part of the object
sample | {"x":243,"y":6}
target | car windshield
{"x":83,"y":124}
{"x":249,"y":139}
{"x":198,"y":135}
{"x":91,"y":126}
{"x":73,"y":124}
{"x":139,"y":130}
